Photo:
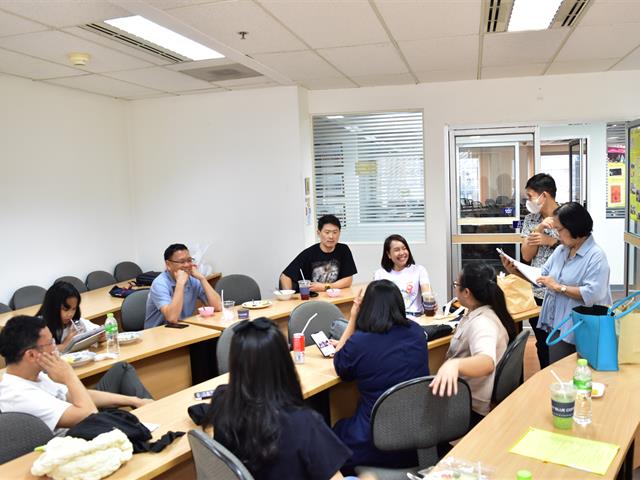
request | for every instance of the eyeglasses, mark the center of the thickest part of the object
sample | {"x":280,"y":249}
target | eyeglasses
{"x":457,"y":284}
{"x":184,"y":262}
{"x":39,"y":346}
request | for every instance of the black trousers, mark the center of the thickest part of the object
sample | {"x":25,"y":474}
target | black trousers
{"x":542,"y":348}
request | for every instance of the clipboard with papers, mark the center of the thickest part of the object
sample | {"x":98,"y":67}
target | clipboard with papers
{"x":530,"y":273}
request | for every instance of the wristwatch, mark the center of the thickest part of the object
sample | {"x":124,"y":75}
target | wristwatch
{"x":563,"y":289}
{"x":327,"y":286}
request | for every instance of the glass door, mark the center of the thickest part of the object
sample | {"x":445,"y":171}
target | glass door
{"x":488,"y":171}
{"x":578,"y":171}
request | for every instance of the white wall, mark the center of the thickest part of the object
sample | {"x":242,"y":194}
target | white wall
{"x":552,"y":99}
{"x":222,"y":169}
{"x":64,"y":184}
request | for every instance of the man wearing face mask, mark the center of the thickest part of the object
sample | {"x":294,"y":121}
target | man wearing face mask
{"x":539,"y":243}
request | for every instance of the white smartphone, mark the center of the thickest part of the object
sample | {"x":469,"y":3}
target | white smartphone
{"x":323,"y":343}
{"x":204,"y":394}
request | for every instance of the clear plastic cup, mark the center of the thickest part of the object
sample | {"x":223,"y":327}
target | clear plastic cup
{"x":563,"y":401}
{"x":304,"y":286}
{"x":228,"y":313}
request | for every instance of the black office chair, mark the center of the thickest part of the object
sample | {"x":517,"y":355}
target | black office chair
{"x":238,"y":287}
{"x":509,"y":371}
{"x":99,"y":279}
{"x":126,"y":271}
{"x":222,"y":350}
{"x":5,"y":308}
{"x":213,"y":461}
{"x":21,"y":433}
{"x":27,"y":296}
{"x":327,"y":313}
{"x":409,"y":417}
{"x":75,"y":281}
{"x":133,"y":311}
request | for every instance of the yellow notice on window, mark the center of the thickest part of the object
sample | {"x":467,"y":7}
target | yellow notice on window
{"x":579,"y":453}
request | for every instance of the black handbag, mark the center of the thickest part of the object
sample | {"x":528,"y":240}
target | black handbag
{"x":146,"y":279}
{"x":437,"y":331}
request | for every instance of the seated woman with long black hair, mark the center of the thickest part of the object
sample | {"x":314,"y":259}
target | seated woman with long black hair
{"x":260,"y":415}
{"x":379,"y":349}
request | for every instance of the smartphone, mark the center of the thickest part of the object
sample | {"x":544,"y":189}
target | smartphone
{"x":500,"y":252}
{"x":176,"y":325}
{"x":323,"y":343}
{"x":313,"y":294}
{"x":204,"y":394}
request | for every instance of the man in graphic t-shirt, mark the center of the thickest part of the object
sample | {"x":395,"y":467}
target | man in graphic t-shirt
{"x":327,"y":264}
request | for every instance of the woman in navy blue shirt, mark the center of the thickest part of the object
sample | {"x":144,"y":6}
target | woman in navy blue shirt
{"x":379,"y":349}
{"x":260,"y":415}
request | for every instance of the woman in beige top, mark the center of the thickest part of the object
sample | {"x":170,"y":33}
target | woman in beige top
{"x":480,"y":339}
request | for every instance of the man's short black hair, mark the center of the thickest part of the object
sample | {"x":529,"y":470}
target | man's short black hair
{"x":329,"y":219}
{"x":542,"y":182}
{"x":19,"y":334}
{"x":173,"y":248}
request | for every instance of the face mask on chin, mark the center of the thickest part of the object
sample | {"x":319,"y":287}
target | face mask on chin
{"x":533,"y":206}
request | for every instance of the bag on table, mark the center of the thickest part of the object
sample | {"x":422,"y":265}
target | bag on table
{"x":120,"y":292}
{"x":517,"y":293}
{"x":146,"y":279}
{"x":628,"y":328}
{"x":595,"y":335}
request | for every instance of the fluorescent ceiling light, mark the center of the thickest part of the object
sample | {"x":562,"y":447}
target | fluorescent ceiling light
{"x":532,"y":14}
{"x":152,"y":32}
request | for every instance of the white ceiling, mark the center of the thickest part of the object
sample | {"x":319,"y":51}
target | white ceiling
{"x":317,"y":44}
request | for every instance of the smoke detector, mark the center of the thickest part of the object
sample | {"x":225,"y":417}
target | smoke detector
{"x":79,"y":59}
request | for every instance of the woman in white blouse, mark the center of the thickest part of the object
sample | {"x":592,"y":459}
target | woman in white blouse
{"x":399,"y":267}
{"x":479,"y":341}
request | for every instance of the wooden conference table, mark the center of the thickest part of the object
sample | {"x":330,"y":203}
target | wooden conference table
{"x":616,"y":417}
{"x":94,"y":304}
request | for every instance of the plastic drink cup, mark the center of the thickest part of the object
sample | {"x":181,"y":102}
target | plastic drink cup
{"x":563,"y":401}
{"x":227,"y":310}
{"x":304,"y":289}
{"x":429,"y":304}
{"x":298,"y":348}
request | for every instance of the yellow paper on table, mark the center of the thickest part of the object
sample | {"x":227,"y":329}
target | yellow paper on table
{"x":579,"y":453}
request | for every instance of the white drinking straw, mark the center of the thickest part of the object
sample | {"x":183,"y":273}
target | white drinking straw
{"x":558,"y":379}
{"x":307,"y":324}
{"x":302,"y":275}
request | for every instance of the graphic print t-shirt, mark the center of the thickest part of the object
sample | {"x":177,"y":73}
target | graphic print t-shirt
{"x":322,"y":267}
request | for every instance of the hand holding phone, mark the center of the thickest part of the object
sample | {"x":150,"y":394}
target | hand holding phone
{"x":323,"y":343}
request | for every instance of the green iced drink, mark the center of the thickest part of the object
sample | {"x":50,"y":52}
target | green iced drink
{"x":563,"y":400}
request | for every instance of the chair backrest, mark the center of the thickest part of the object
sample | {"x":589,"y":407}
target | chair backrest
{"x":21,"y":433}
{"x":509,"y":370}
{"x":238,"y":287}
{"x":327,"y":313}
{"x":133,"y":311}
{"x":4,"y":308}
{"x":99,"y":279}
{"x":75,"y":281}
{"x":213,"y":461}
{"x":408,"y":416}
{"x":222,"y":350}
{"x":126,"y":271}
{"x":27,"y":296}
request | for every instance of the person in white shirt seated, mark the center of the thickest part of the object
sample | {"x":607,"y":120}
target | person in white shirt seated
{"x":61,"y":310}
{"x":57,"y":397}
{"x":399,"y":266}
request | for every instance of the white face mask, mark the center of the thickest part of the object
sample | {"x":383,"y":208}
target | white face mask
{"x":533,"y":206}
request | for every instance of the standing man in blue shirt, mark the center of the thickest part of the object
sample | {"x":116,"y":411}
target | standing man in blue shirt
{"x":174,"y":292}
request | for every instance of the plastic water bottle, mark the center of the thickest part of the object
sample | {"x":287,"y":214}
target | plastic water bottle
{"x":582,"y":382}
{"x":111,"y":330}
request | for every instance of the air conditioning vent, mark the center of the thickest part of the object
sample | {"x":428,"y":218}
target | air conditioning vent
{"x":498,"y":14}
{"x":568,"y":13}
{"x":132,"y":41}
{"x":232,"y":71}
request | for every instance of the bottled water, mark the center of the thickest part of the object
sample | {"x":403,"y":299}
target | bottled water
{"x":582,"y":382}
{"x":111,"y":330}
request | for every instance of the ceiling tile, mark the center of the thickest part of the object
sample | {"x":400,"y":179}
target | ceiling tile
{"x":362,"y":60}
{"x":413,"y":20}
{"x":160,"y":79}
{"x":631,"y":62}
{"x":169,"y":4}
{"x":597,"y":42}
{"x":12,"y":25}
{"x":519,"y":48}
{"x":115,"y":45}
{"x":202,"y":90}
{"x":213,"y":62}
{"x":611,"y":12}
{"x":326,"y":24}
{"x":442,"y":53}
{"x":33,"y":68}
{"x":223,"y":21}
{"x":65,"y":13}
{"x":150,"y":96}
{"x":528,"y":70}
{"x":327,"y":83}
{"x":54,"y":46}
{"x":447,"y":75}
{"x":581,"y":66}
{"x":103,"y":86}
{"x":245,"y":82}
{"x":298,"y":65}
{"x":379,"y":80}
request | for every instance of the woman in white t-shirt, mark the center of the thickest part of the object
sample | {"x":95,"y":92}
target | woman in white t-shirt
{"x":61,"y":311}
{"x":399,"y":266}
{"x":480,"y":339}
